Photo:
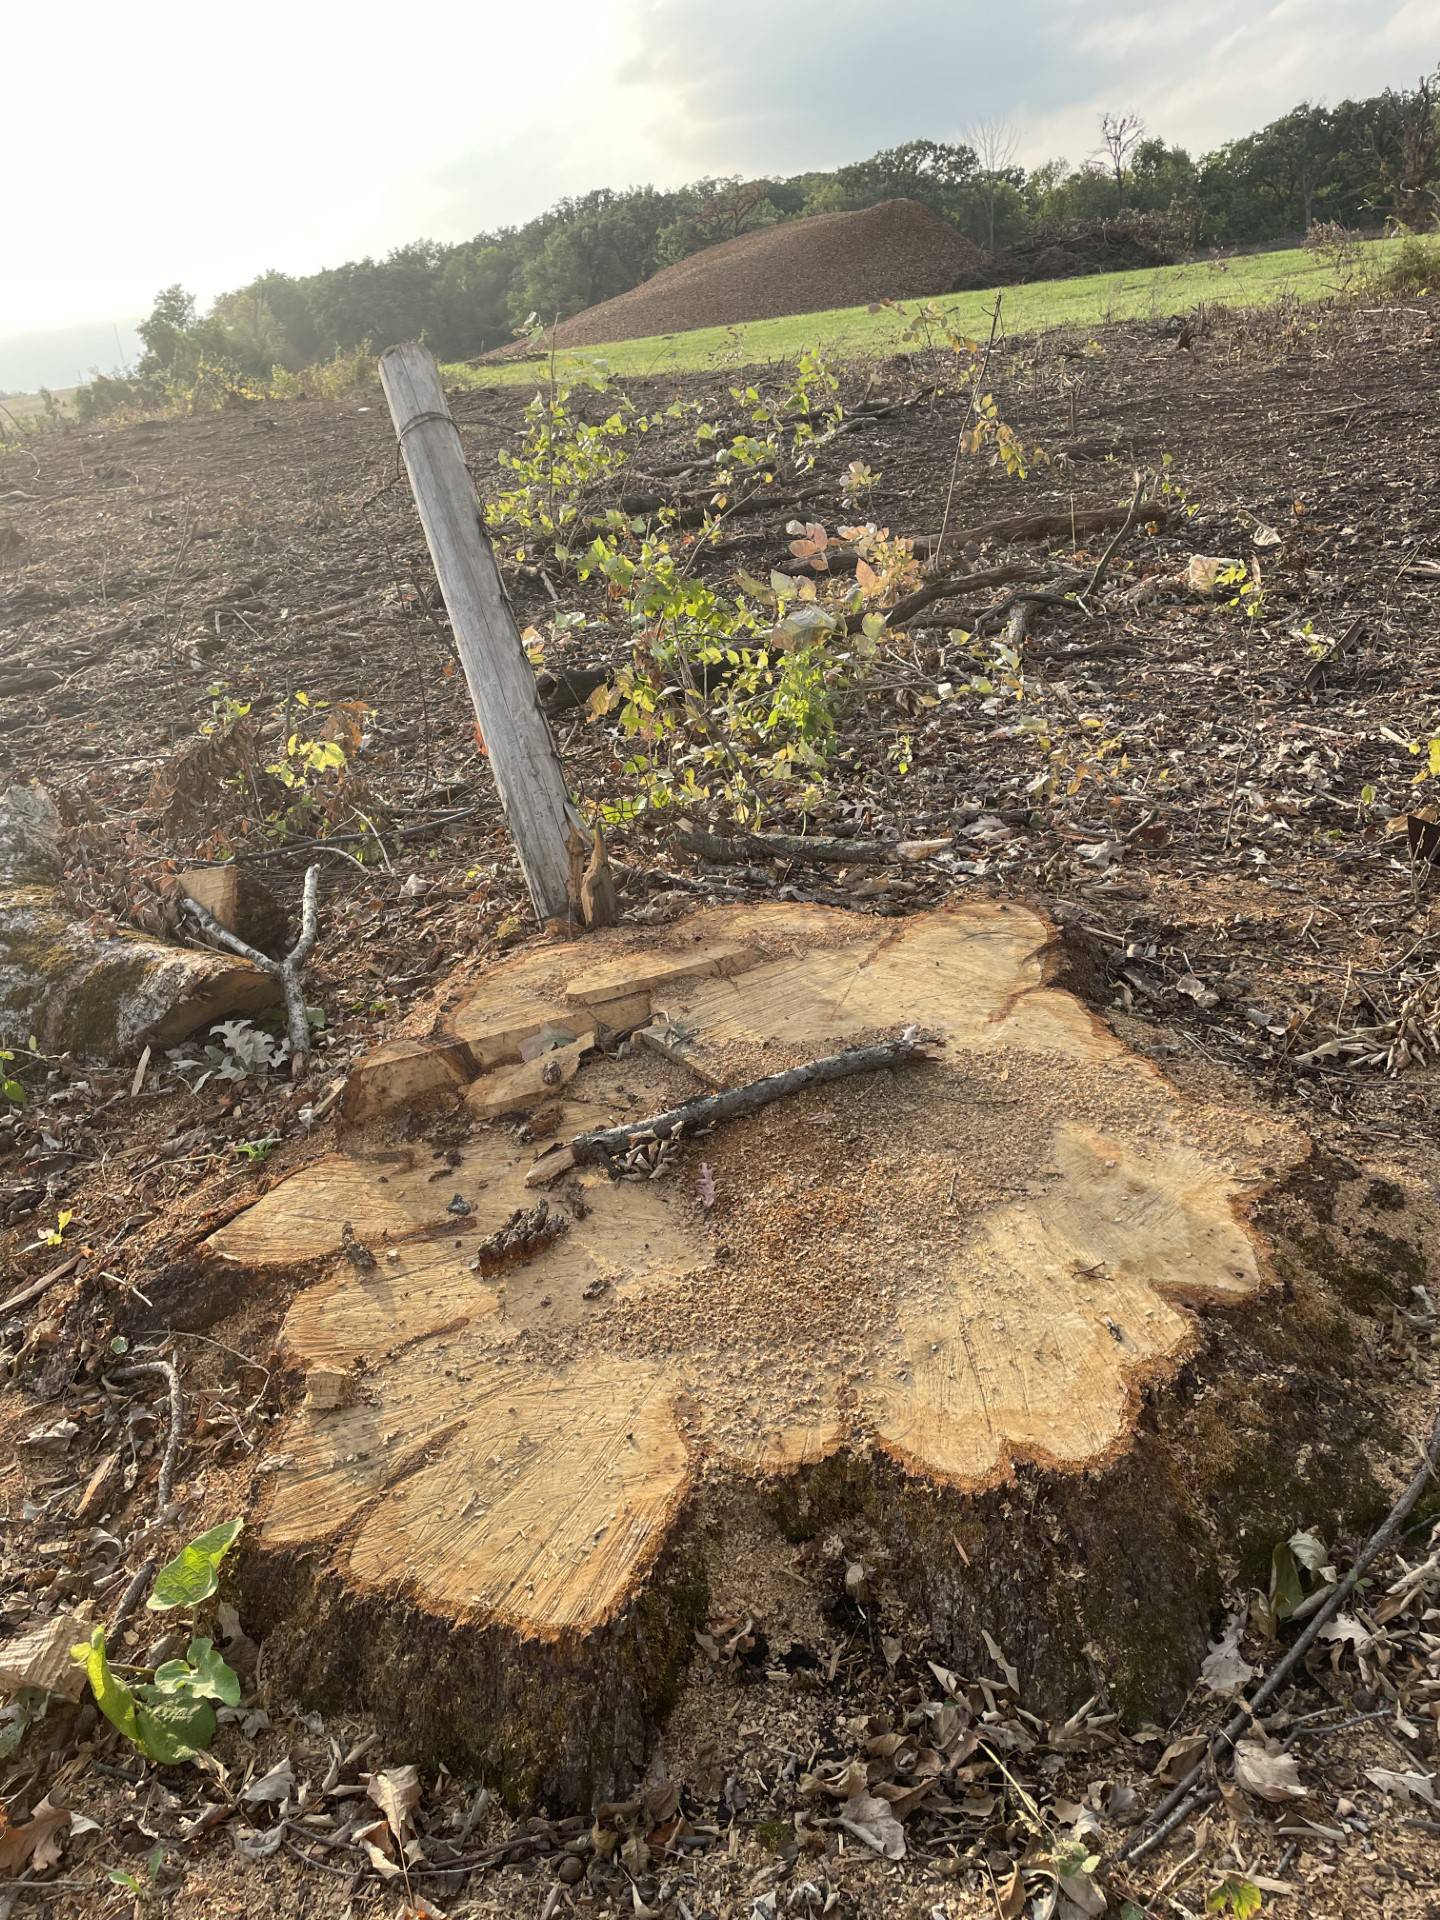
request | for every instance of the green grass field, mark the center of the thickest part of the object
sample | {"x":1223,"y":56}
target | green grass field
{"x":854,"y":333}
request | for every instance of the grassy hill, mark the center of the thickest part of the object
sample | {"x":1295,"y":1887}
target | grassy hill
{"x":1250,"y":280}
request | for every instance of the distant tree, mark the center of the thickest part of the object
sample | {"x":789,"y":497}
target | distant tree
{"x":1162,"y":177}
{"x":925,"y":170}
{"x":993,"y":142}
{"x":1120,"y":134}
{"x":170,"y":323}
{"x":1405,"y":143}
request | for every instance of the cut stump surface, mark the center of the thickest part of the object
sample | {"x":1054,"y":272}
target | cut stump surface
{"x":954,"y":1272}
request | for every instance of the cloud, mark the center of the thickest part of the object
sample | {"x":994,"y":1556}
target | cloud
{"x":759,"y":85}
{"x":766,"y":85}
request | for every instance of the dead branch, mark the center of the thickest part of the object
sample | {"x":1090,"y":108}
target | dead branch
{"x":743,"y":848}
{"x":141,"y":1369}
{"x":1113,"y":546}
{"x":949,"y":586}
{"x":1183,"y":1797}
{"x":286,"y":970}
{"x":608,"y":1146}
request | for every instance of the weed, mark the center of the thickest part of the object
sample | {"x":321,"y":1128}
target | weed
{"x":171,"y":1717}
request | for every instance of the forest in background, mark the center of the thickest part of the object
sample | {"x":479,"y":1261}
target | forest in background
{"x":1362,"y":163}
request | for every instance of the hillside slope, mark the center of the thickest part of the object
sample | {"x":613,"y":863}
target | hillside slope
{"x":898,"y":250}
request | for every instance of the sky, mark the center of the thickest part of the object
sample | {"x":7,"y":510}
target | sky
{"x":206,"y":144}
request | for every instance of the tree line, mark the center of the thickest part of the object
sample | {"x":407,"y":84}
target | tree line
{"x":1362,"y":163}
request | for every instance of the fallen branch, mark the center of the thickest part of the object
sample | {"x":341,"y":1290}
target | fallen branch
{"x":286,"y":970}
{"x":138,"y":1370}
{"x":741,"y":849}
{"x":35,"y":1288}
{"x":607,"y":1145}
{"x":1114,"y":544}
{"x":1185,"y":1796}
{"x":948,"y":586}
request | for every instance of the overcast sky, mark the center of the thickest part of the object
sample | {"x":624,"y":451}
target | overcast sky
{"x":203,"y":144}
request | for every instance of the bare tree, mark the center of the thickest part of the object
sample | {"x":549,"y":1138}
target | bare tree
{"x":993,"y":143}
{"x":1120,"y":134}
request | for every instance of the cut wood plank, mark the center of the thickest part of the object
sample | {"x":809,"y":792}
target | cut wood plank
{"x":555,"y":846}
{"x":910,"y":1303}
{"x":623,"y":980}
{"x":511,"y":1089}
{"x":400,"y":1072}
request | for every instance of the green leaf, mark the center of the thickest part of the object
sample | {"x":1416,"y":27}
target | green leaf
{"x":201,"y":1675}
{"x":169,"y":1733}
{"x":1235,"y":1895}
{"x":193,"y":1575}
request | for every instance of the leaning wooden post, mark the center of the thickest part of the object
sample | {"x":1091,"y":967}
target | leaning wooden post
{"x":564,"y":863}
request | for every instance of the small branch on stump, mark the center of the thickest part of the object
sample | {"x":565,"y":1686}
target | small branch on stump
{"x":286,"y":970}
{"x":606,"y":1146}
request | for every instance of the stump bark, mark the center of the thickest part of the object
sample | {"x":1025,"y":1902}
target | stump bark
{"x":970,"y":1308}
{"x":79,"y":990}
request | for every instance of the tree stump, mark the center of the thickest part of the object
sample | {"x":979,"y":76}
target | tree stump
{"x":104,"y":995}
{"x":969,"y":1307}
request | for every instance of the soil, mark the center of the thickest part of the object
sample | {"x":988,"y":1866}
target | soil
{"x":1232,"y":903}
{"x":897,"y":250}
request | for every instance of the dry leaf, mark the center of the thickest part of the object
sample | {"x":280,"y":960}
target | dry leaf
{"x":1403,"y":1786}
{"x":1180,"y":1756}
{"x":278,"y":1784}
{"x":396,"y":1793}
{"x":1268,"y":1773}
{"x":35,"y":1844}
{"x":871,"y":1821}
{"x":40,"y":1657}
{"x":1225,"y":1670}
{"x":1010,"y":1898}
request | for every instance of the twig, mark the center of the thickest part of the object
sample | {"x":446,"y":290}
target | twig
{"x":130,"y":1599}
{"x":286,"y":970}
{"x":975,"y":385}
{"x":602,"y":1146}
{"x":947,"y":587}
{"x":36,"y":1287}
{"x":1177,"y":1802}
{"x":177,"y":1414}
{"x":1113,"y":546}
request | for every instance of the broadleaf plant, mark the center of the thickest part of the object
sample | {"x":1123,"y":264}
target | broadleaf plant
{"x":171,"y":1726}
{"x":194,"y":1574}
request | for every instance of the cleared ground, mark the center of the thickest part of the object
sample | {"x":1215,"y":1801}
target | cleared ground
{"x":1233,"y":907}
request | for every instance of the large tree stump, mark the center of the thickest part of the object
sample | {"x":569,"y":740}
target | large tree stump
{"x":99,"y":994}
{"x":947,"y":1305}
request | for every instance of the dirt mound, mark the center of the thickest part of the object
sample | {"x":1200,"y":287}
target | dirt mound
{"x":897,"y":250}
{"x":1122,"y":245}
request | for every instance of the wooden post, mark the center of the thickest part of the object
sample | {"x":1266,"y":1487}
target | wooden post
{"x":564,"y":864}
